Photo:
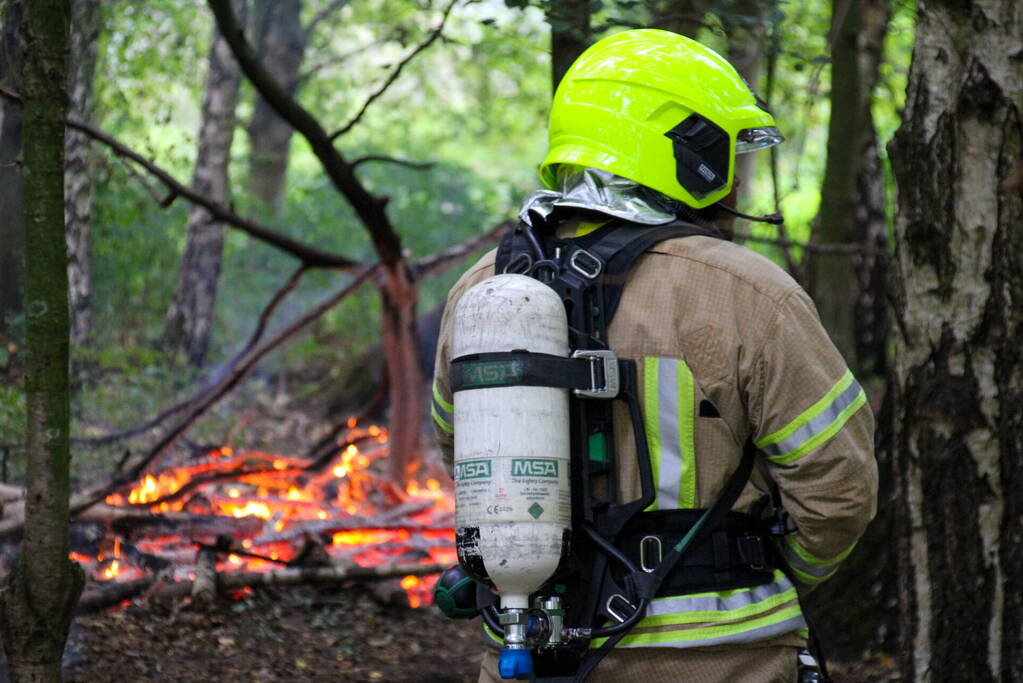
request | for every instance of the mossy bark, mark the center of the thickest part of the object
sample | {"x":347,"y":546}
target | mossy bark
{"x":36,"y":604}
{"x":957,"y":291}
{"x":12,"y":267}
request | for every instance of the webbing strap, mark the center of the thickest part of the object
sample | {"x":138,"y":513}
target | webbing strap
{"x":520,"y":368}
{"x":649,"y":583}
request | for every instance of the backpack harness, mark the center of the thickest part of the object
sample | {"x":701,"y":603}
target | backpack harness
{"x":620,"y":557}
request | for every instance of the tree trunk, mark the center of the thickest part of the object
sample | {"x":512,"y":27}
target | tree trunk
{"x":85,"y":23}
{"x":405,"y":376}
{"x":12,"y":254}
{"x":281,"y":42}
{"x":37,"y":603}
{"x":834,"y":279}
{"x":679,"y":16}
{"x":957,"y":293}
{"x":570,"y":35}
{"x":847,"y":215}
{"x":190,"y":316}
{"x":745,"y":27}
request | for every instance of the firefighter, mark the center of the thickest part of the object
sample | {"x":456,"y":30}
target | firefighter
{"x":644,"y":129}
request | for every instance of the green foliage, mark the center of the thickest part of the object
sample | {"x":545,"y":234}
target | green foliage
{"x":474,"y":105}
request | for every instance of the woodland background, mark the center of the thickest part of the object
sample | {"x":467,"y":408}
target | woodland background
{"x":369,"y":147}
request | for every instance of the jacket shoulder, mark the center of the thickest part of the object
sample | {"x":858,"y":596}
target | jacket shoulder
{"x":724,"y":259}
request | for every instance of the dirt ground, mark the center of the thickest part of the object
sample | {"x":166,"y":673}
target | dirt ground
{"x":303,"y":634}
{"x":300,"y":634}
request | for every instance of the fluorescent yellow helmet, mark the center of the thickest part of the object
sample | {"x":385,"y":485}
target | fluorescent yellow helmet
{"x":660,"y":109}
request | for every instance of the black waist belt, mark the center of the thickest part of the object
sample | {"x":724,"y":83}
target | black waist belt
{"x":738,"y":554}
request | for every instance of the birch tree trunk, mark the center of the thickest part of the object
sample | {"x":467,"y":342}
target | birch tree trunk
{"x":37,"y":602}
{"x":12,"y":273}
{"x":190,"y":316}
{"x":85,"y":22}
{"x":958,"y":307}
{"x":281,"y":43}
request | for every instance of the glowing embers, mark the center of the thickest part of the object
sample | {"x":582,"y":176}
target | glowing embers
{"x":263,"y":512}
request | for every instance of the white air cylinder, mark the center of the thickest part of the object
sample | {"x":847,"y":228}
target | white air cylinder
{"x":512,"y":495}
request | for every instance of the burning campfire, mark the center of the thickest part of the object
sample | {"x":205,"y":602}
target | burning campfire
{"x":241,"y":519}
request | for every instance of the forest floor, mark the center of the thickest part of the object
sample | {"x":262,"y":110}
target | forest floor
{"x":300,"y":634}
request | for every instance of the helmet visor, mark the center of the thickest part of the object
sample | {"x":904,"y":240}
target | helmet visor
{"x":752,"y":139}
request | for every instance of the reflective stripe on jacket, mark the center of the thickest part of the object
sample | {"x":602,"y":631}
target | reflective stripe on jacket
{"x":729,"y":347}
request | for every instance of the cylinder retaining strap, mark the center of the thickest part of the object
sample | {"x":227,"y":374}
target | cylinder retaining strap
{"x":590,"y":374}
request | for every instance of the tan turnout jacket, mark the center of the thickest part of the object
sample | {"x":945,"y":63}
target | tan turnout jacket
{"x":710,"y":321}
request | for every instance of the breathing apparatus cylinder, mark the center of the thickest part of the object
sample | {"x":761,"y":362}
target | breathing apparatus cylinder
{"x":512,"y":494}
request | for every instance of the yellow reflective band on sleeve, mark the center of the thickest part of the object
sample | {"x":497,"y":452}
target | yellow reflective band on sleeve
{"x":440,"y":422}
{"x":442,"y":411}
{"x":807,"y":567}
{"x":816,"y":425}
{"x":448,"y":407}
{"x":651,"y":419}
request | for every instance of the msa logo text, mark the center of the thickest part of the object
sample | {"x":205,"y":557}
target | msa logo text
{"x":491,"y":373}
{"x":472,"y":469}
{"x":534,"y":467}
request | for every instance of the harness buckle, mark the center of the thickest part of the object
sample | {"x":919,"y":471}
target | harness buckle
{"x":600,"y":359}
{"x":520,"y":265}
{"x":643,"y":553}
{"x":586,"y":264}
{"x":752,"y":551}
{"x":627,"y":606}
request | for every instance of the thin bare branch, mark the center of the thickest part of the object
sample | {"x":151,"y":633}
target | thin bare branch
{"x":430,"y":40}
{"x":242,"y":367}
{"x":418,"y":165}
{"x":325,"y":13}
{"x":257,"y":333}
{"x":370,"y":209}
{"x":308,"y":255}
{"x":431,"y":265}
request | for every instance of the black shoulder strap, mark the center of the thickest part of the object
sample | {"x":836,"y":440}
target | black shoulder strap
{"x":622,"y":246}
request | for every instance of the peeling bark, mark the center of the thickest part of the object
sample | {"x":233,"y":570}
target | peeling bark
{"x":957,"y":293}
{"x":281,"y":42}
{"x":85,"y":26}
{"x":190,"y":316}
{"x":40,"y":593}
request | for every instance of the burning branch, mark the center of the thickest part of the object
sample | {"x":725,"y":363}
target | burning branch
{"x":302,"y":575}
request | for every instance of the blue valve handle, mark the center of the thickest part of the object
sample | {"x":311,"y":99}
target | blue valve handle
{"x":515,"y":664}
